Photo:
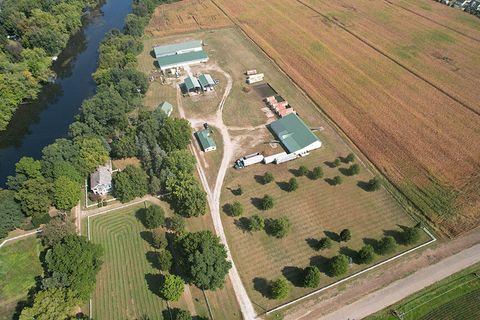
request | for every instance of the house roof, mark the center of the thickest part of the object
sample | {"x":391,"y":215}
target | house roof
{"x":191,"y":83}
{"x":170,"y":49}
{"x":166,"y":107}
{"x":206,"y":80}
{"x":171,"y":61}
{"x":293,"y":133}
{"x":103,"y":175}
{"x":206,"y":141}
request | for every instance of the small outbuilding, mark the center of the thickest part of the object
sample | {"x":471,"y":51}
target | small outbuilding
{"x":167,"y":108}
{"x":206,"y":82}
{"x":101,"y":180}
{"x":192,"y":84}
{"x":205,"y":140}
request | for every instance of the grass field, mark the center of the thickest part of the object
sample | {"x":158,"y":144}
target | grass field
{"x":127,"y":278}
{"x":19,"y":268}
{"x":455,"y":297}
{"x":411,"y":130}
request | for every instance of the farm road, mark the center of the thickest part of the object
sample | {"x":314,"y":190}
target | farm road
{"x":400,"y":289}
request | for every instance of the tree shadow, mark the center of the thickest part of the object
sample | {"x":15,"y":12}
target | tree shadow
{"x":330,"y":164}
{"x":259,"y":179}
{"x":312,"y":243}
{"x":147,"y":236}
{"x":332,"y":235}
{"x":329,"y":181}
{"x":227,"y":208}
{"x":320,"y":262}
{"x":256,"y":202}
{"x":235,"y":192}
{"x":295,"y":172}
{"x":396,"y":234}
{"x":152,"y":259}
{"x":345,"y":171}
{"x":154,"y":282}
{"x":294,"y":275}
{"x":170,"y":313}
{"x":365,"y":186}
{"x":242,"y":224}
{"x":282,"y":185}
{"x":349,"y":253}
{"x":262,"y":285}
{"x":140,"y":215}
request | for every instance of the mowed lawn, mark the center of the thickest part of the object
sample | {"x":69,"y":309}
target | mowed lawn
{"x":19,"y":266}
{"x":317,"y":209}
{"x":127,"y":284}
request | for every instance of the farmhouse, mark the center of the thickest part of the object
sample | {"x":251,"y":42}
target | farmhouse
{"x":179,"y":55}
{"x":294,"y":135}
{"x":101,"y":179}
{"x":167,"y":108}
{"x":191,"y":84}
{"x":205,"y":140}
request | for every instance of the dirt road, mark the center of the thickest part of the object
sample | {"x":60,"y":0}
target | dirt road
{"x":402,"y":288}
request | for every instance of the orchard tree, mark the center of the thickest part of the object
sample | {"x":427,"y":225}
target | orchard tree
{"x":267,"y":177}
{"x":350,"y":157}
{"x":324,"y":243}
{"x":280,"y":288}
{"x":292,"y":185}
{"x":130,"y":183}
{"x":345,"y":235}
{"x":337,"y":162}
{"x":386,"y":245}
{"x":366,"y":254}
{"x":354,"y":169}
{"x":235,"y":209}
{"x":338,"y":265}
{"x":66,"y":193}
{"x":172,"y":287}
{"x":164,"y":260}
{"x":256,"y":223}
{"x":154,"y":217}
{"x":311,"y":277}
{"x":302,"y":170}
{"x":180,"y":314}
{"x":266,"y":202}
{"x":374,"y":184}
{"x":279,"y":228}
{"x":316,"y":173}
{"x":410,"y":235}
{"x":57,"y":229}
{"x":337,"y":180}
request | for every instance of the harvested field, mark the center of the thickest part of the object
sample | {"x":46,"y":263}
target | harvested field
{"x":185,"y":16}
{"x":413,"y":132}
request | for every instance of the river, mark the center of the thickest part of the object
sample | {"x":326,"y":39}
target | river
{"x":38,"y":124}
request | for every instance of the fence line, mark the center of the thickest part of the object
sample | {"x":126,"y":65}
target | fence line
{"x":432,"y":239}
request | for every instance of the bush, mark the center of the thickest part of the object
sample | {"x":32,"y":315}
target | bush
{"x":239,"y":191}
{"x":302,"y":171}
{"x":267,"y":202}
{"x":256,"y":223}
{"x":337,"y":162}
{"x":410,"y":236}
{"x":386,"y":245}
{"x":354,"y":169}
{"x":316,"y":173}
{"x":350,"y":158}
{"x":292,"y":185}
{"x":235,"y":209}
{"x":172,"y":287}
{"x":278,"y":228}
{"x":176,"y":224}
{"x":164,"y":260}
{"x":312,"y":277}
{"x":338,"y":265}
{"x":345,"y":235}
{"x":366,"y":254}
{"x":324,"y":243}
{"x":154,"y":217}
{"x":268,"y":177}
{"x":158,"y":239}
{"x":337,"y":180}
{"x":280,"y":288}
{"x":374,"y":184}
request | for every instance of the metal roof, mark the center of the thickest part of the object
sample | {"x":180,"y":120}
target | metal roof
{"x":167,"y":108}
{"x":293,"y":133}
{"x":172,"y":61}
{"x":171,"y":49}
{"x":205,"y":139}
{"x":191,"y":83}
{"x":206,"y":80}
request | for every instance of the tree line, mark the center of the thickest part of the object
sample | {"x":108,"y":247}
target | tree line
{"x":31,"y":32}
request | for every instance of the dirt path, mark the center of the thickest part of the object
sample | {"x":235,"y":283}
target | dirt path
{"x":402,"y":288}
{"x":213,"y":196}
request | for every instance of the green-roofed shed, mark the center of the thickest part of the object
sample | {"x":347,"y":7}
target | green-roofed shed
{"x":205,"y":140}
{"x":206,"y":81}
{"x":294,"y":135}
{"x":191,"y":83}
{"x":167,"y":108}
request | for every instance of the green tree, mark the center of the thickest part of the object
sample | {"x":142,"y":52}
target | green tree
{"x":386,"y":245}
{"x":55,"y":230}
{"x":78,"y":260}
{"x":267,"y":177}
{"x":350,"y":157}
{"x":324,"y":243}
{"x":34,"y":197}
{"x":374,"y":184}
{"x":203,"y":259}
{"x":164,"y":260}
{"x":11,"y":216}
{"x":337,"y":162}
{"x":180,"y":314}
{"x":91,"y":152}
{"x":311,"y":277}
{"x":255,"y":223}
{"x":63,"y":168}
{"x":124,"y":146}
{"x":176,"y":224}
{"x":175,"y":134}
{"x":180,"y":161}
{"x":337,"y":180}
{"x":130,"y":183}
{"x":278,"y":228}
{"x":266,"y":202}
{"x":345,"y":235}
{"x":134,"y":25}
{"x":235,"y":209}
{"x":280,"y":288}
{"x":354,"y":169}
{"x":317,"y":173}
{"x":37,"y":62}
{"x":302,"y":171}
{"x":172,"y":287}
{"x":66,"y":193}
{"x":25,"y":169}
{"x":292,"y":185}
{"x":158,"y":239}
{"x":154,"y":217}
{"x":410,"y":235}
{"x":55,"y":303}
{"x":185,"y":194}
{"x":338,"y":265}
{"x":366,"y":254}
